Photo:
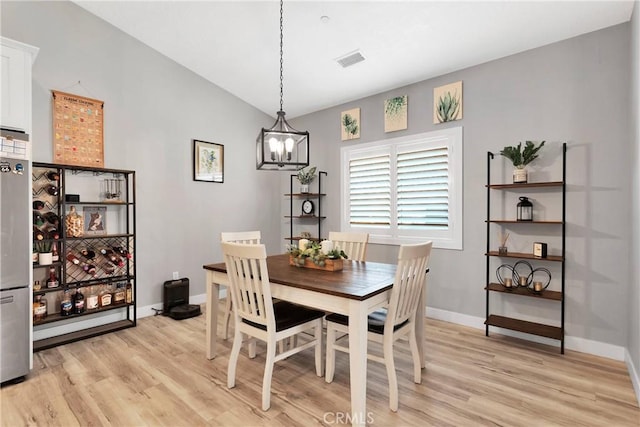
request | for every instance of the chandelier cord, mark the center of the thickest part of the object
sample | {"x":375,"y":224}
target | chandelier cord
{"x":281,"y":62}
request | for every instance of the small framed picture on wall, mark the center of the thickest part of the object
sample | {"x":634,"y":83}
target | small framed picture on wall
{"x":208,"y":161}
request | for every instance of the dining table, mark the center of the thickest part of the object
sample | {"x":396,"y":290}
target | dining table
{"x":355,"y":291}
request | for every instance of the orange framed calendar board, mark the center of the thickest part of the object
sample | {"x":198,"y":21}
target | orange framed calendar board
{"x":78,"y":125}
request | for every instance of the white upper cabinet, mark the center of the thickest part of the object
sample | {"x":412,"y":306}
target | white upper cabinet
{"x":15,"y":92}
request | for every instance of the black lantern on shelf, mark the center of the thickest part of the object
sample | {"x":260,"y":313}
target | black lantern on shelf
{"x":525,"y":210}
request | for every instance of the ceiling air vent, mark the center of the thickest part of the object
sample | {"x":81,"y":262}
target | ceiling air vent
{"x":350,"y":59}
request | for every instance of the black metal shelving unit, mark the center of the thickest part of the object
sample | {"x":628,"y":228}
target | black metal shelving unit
{"x":316,"y":216}
{"x":72,"y":276}
{"x":493,"y":319}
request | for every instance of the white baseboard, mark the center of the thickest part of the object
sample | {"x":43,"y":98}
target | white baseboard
{"x":633,"y":373}
{"x":573,"y":343}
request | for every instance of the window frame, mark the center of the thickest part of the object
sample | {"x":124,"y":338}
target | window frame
{"x":452,"y":139}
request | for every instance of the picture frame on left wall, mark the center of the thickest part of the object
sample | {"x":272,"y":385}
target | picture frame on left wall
{"x":208,"y":161}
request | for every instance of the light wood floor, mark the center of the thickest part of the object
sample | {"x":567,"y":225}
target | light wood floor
{"x":157,"y":374}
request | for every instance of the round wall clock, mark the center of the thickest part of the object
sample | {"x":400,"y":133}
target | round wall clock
{"x":307,"y":207}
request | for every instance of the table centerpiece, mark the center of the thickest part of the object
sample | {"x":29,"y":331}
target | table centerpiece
{"x":312,"y":254}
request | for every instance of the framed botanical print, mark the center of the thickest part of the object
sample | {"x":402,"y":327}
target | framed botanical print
{"x":208,"y":161}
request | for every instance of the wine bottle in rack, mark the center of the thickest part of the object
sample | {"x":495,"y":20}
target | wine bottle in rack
{"x":51,"y":232}
{"x":37,"y":205}
{"x":38,"y":219}
{"x":37,"y":233}
{"x":51,"y":189}
{"x":90,"y":269}
{"x":78,"y":302}
{"x":111,"y":256}
{"x":129,"y":293}
{"x":72,"y":258}
{"x":55,"y":256}
{"x":66,"y":303}
{"x":121,"y":251}
{"x":52,"y":281}
{"x":51,"y":218}
{"x":92,"y":299}
{"x":88,"y":253}
{"x":53,"y":176}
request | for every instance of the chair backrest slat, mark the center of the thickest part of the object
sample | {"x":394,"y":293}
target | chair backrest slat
{"x":249,"y":282}
{"x":353,"y":244}
{"x":249,"y":237}
{"x":413,"y":261}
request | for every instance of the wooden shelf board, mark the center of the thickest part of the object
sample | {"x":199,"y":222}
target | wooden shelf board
{"x":524,"y":255}
{"x":551,"y":295}
{"x":305,"y":216}
{"x":46,"y":343}
{"x":51,"y":318}
{"x":305,"y":194}
{"x":527,"y":185}
{"x":532,"y":328}
{"x":513,"y":221}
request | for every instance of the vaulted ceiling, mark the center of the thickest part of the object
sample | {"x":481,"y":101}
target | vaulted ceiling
{"x":235,"y":44}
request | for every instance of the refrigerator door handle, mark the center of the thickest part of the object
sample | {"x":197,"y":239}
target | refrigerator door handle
{"x":6,"y":300}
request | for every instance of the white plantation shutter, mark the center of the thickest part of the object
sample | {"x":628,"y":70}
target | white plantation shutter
{"x":370,"y":191}
{"x":405,"y":190}
{"x":423,"y":188}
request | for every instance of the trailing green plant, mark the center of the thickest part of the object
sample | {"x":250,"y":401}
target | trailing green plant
{"x":313,"y":251}
{"x":522,"y":157}
{"x":448,"y":107}
{"x":307,"y":176}
{"x":350,"y":125}
{"x":394,"y":105}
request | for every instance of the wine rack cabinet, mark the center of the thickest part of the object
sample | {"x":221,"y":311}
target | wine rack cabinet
{"x":89,"y":216}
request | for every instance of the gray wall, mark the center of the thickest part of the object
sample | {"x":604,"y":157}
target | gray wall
{"x":634,"y":283}
{"x":153,"y":109}
{"x":576,"y":91}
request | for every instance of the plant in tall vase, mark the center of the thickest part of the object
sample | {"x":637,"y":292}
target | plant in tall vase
{"x":521,"y":157}
{"x":45,"y":256}
{"x":306,"y":177}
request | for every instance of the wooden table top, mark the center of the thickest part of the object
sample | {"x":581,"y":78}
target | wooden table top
{"x":357,"y":280}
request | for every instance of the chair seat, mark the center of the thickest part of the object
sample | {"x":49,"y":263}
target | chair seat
{"x":288,"y":315}
{"x":375,"y":321}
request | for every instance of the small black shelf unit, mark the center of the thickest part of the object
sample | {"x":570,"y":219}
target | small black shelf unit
{"x":72,"y":276}
{"x":492,"y":319}
{"x":317,"y":215}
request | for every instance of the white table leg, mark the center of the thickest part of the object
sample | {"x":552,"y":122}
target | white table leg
{"x":358,"y":361}
{"x":212,"y":315}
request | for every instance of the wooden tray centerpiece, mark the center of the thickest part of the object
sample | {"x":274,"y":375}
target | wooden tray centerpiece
{"x":310,"y":254}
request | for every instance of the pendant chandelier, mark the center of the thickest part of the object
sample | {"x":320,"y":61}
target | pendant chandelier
{"x":281,"y":147}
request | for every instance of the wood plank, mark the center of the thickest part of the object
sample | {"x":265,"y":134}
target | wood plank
{"x":555,"y":258}
{"x":497,"y":287}
{"x":525,"y":185}
{"x":46,"y":343}
{"x":525,"y":326}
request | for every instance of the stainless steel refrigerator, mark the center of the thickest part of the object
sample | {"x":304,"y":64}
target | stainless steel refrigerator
{"x":15,"y":257}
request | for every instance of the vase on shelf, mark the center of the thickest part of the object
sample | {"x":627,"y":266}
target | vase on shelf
{"x":45,"y":258}
{"x":304,"y":188}
{"x":520,"y":175}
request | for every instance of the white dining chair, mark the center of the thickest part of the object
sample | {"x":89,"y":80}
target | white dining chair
{"x":246,"y":237}
{"x":354,"y":245}
{"x":397,"y":320}
{"x":258,"y":316}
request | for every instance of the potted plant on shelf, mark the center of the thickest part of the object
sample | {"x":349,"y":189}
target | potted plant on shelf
{"x":45,"y":256}
{"x":306,"y":177}
{"x":521,"y":157}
